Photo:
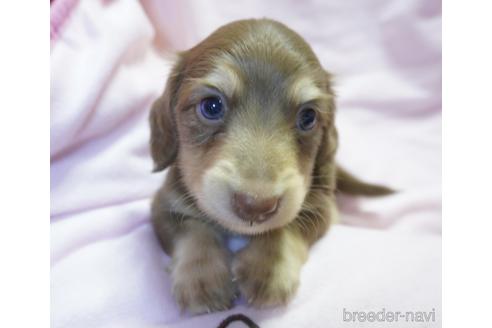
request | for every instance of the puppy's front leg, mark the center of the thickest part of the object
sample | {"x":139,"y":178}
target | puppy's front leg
{"x":201,"y":278}
{"x":268,"y":269}
{"x":200,"y":270}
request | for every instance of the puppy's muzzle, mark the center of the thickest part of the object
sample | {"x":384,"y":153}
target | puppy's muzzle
{"x":251,"y":208}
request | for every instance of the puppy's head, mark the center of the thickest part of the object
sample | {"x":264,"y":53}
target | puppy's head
{"x":247,"y":116}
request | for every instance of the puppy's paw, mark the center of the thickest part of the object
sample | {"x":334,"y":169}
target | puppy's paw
{"x":269,"y":278}
{"x":202,"y":285}
{"x":265,"y":284}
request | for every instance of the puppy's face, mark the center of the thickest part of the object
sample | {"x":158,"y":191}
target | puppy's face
{"x":248,"y":114}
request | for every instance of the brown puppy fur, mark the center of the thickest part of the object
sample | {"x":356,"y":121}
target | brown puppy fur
{"x":265,"y":75}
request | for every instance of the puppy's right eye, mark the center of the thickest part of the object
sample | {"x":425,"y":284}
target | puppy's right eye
{"x":211,"y":109}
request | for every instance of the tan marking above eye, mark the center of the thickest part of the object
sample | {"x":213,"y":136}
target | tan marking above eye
{"x":304,"y":90}
{"x":225,"y":79}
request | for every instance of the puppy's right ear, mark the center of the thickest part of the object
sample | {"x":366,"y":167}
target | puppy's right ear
{"x":163,"y":133}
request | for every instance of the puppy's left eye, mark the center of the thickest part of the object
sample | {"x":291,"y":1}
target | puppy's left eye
{"x":306,"y":119}
{"x":211,"y":109}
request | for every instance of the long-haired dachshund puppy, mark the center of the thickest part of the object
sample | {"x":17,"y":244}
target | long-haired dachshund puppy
{"x":246,"y":127}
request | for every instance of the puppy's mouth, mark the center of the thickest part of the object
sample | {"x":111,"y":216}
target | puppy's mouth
{"x":247,"y":208}
{"x":256,"y":219}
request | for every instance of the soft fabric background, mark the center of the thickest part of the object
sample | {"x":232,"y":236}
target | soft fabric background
{"x":109,"y":61}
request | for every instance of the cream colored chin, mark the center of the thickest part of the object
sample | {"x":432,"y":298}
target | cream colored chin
{"x":214,"y":198}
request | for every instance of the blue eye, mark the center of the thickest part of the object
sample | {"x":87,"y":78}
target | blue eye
{"x":211,"y":108}
{"x":306,"y":119}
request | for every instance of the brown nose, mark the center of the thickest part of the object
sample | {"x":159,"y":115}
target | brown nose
{"x":251,"y":208}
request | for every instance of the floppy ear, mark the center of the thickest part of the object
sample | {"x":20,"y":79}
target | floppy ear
{"x":163,"y":133}
{"x":324,"y":167}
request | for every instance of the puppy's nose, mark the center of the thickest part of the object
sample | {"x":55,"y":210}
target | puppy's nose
{"x":251,"y":208}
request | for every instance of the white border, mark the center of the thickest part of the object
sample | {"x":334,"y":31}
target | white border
{"x":467,"y":163}
{"x":24,"y":180}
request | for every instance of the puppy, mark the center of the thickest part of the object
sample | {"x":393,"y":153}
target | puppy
{"x":246,"y":125}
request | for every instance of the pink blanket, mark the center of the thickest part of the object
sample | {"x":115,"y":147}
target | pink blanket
{"x":107,"y":269}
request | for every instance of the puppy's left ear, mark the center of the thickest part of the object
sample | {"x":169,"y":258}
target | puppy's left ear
{"x":163,"y":133}
{"x":325,"y":159}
